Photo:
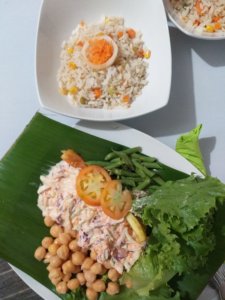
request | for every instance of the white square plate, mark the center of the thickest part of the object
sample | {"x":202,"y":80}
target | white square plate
{"x":59,"y":18}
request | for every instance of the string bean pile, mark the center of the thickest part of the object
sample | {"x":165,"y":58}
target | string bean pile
{"x":135,"y":170}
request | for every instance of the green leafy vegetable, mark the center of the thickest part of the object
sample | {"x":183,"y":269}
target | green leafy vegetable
{"x":188,"y":146}
{"x":181,"y":215}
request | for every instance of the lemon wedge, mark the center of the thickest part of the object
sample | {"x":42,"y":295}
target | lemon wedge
{"x":137,"y":228}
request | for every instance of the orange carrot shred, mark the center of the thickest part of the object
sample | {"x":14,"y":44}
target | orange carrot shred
{"x":216,"y":18}
{"x":80,"y":44}
{"x":217,"y":26}
{"x":126,"y":98}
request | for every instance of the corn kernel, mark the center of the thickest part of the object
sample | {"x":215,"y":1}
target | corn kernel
{"x":209,"y":28}
{"x":147,"y":54}
{"x":73,"y":90}
{"x":70,"y":50}
{"x":63,"y":91}
{"x":72,"y":65}
{"x":107,"y":20}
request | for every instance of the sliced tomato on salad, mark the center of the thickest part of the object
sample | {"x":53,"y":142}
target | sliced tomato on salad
{"x":72,"y":158}
{"x":115,"y":201}
{"x":90,"y":183}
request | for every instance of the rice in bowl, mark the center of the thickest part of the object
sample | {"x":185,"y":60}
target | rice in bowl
{"x":103,"y":65}
{"x":201,"y":15}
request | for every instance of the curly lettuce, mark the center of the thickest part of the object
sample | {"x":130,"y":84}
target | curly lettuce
{"x":181,"y":215}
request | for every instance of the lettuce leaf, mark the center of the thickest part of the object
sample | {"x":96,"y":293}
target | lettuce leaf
{"x":163,"y":293}
{"x":181,"y":215}
{"x":188,"y":146}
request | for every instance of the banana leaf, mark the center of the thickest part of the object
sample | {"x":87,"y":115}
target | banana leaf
{"x":21,"y":222}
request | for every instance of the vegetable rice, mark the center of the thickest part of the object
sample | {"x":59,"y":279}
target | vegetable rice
{"x":115,"y":85}
{"x":201,"y":15}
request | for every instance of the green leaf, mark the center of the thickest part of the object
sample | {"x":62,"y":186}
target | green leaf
{"x":188,"y":146}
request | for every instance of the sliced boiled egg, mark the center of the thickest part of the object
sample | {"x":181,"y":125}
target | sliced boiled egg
{"x":100,"y":52}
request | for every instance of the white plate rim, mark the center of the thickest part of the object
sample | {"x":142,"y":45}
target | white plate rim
{"x":121,"y":134}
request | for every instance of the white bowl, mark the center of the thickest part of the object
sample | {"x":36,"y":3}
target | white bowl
{"x":187,"y":29}
{"x":59,"y":18}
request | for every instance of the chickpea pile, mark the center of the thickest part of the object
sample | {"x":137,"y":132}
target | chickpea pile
{"x":69,"y":267}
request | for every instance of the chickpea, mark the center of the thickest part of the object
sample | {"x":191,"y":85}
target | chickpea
{"x":72,"y":233}
{"x":46,"y":242}
{"x":40,"y":253}
{"x":55,"y":261}
{"x":96,"y":268}
{"x":68,"y":267}
{"x":61,"y":287}
{"x":107,"y":264}
{"x":47,"y":258}
{"x":64,"y":238}
{"x":81,"y":278}
{"x":93,"y":255}
{"x":55,"y":280}
{"x":91,"y":294}
{"x":89,"y":276}
{"x":49,"y":268}
{"x":99,"y":285}
{"x":74,"y":246}
{"x":88,"y":262}
{"x":56,"y":241}
{"x":56,"y":230}
{"x":104,"y":270}
{"x":77,"y":258}
{"x":73,"y":284}
{"x":128,"y":283}
{"x":67,"y":277}
{"x":113,"y":275}
{"x":89,"y":284}
{"x":63,"y":252}
{"x":52,"y":249}
{"x":54,"y":273}
{"x":48,"y":221}
{"x":113,"y":288}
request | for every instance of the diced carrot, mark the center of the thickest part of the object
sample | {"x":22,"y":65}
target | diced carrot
{"x":216,"y":18}
{"x":198,"y":6}
{"x":140,"y":53}
{"x":82,"y":23}
{"x":97,"y":92}
{"x":196,"y":22}
{"x":119,"y":34}
{"x":131,"y":33}
{"x":217,"y":26}
{"x":80,"y":44}
{"x":126,"y":98}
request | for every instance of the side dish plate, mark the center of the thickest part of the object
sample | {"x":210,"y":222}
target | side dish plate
{"x":59,"y":18}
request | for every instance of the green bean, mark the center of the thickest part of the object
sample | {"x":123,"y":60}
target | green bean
{"x":125,"y":158}
{"x":114,"y":165}
{"x":98,"y":163}
{"x":121,"y":172}
{"x":127,"y":181}
{"x":143,"y":169}
{"x":143,"y":157}
{"x":111,"y":155}
{"x":158,"y":180}
{"x":152,"y":165}
{"x":142,"y":185}
{"x":135,"y":179}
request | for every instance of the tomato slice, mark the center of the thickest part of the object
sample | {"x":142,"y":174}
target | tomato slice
{"x":73,"y":158}
{"x":90,"y":183}
{"x":114,"y":201}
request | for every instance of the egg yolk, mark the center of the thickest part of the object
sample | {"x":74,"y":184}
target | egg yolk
{"x":99,"y":51}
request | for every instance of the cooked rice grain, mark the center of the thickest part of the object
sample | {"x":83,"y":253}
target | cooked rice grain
{"x":119,"y":84}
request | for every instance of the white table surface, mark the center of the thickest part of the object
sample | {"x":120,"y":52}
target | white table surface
{"x":197,"y":92}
